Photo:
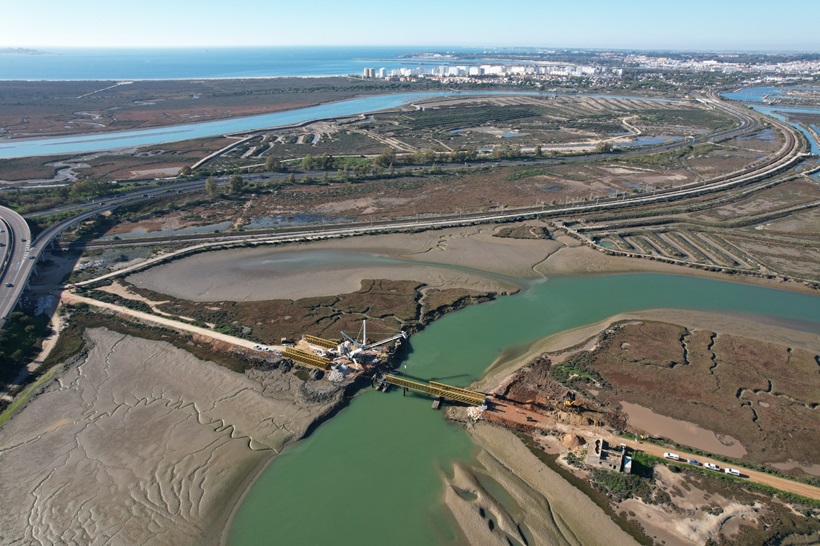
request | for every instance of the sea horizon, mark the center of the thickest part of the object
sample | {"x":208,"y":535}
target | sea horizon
{"x":234,"y":62}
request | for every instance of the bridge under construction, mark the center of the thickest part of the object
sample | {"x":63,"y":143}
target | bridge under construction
{"x":438,"y":390}
{"x":320,"y":342}
{"x":303,"y":358}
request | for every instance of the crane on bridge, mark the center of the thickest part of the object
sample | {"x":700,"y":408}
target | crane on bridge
{"x":363,"y":345}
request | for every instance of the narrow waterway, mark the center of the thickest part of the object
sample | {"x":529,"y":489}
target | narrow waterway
{"x":175,"y":133}
{"x":159,"y":135}
{"x":756,"y":98}
{"x":372,"y":474}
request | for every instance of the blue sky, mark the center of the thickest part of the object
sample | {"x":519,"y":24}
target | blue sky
{"x":642,"y":24}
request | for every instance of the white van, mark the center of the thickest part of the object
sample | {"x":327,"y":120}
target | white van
{"x":711,"y":466}
{"x":671,"y":456}
{"x":732,"y":471}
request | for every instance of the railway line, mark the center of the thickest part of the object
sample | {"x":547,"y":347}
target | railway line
{"x":791,"y":153}
{"x":18,"y":265}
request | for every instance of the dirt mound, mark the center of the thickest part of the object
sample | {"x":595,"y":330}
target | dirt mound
{"x":535,"y":384}
{"x":572,"y":440}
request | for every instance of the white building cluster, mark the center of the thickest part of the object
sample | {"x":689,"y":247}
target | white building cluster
{"x":494,"y":71}
{"x":723,"y":63}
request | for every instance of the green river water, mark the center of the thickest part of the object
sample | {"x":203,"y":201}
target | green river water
{"x":371,"y":475}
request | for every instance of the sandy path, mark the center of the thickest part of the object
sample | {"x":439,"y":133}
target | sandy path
{"x":162,"y":321}
{"x":506,"y":413}
{"x":782,"y":484}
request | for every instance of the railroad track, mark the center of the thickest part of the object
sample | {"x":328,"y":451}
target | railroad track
{"x":786,"y":157}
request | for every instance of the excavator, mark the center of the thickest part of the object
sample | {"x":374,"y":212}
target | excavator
{"x":571,"y":403}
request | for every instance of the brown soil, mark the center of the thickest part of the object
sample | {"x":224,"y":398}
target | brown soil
{"x":538,"y":500}
{"x":786,"y":194}
{"x":688,"y":508}
{"x":388,"y":306}
{"x":146,"y":443}
{"x":760,"y":393}
{"x":56,"y":108}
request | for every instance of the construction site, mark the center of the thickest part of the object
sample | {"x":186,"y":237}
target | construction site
{"x":351,"y":357}
{"x":341,"y":360}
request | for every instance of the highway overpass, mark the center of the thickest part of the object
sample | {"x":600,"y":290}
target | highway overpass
{"x":17,"y":265}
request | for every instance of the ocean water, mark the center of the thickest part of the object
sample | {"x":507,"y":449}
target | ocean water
{"x":186,"y":63}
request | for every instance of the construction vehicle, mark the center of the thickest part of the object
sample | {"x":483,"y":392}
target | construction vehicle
{"x":574,"y":404}
{"x":571,"y":403}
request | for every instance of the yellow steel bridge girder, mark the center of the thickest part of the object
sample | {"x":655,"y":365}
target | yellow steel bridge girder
{"x":457,"y":394}
{"x":306,"y":359}
{"x":320,"y":342}
{"x":451,"y":388}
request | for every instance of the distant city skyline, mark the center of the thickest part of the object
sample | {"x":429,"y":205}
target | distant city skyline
{"x":696,"y":25}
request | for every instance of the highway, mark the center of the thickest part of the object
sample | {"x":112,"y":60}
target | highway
{"x":17,"y":265}
{"x":746,"y":124}
{"x":788,"y":156}
{"x":17,"y":253}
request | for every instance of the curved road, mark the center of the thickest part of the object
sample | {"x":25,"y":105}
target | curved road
{"x":17,"y":265}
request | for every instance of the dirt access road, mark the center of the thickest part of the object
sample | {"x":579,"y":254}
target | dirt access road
{"x":508,"y":412}
{"x":70,"y":298}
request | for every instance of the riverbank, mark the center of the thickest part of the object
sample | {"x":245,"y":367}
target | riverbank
{"x":445,"y":257}
{"x":467,"y":258}
{"x":120,"y":358}
{"x":145,"y":450}
{"x":470,"y":257}
{"x":503,"y":466}
{"x":564,"y":343}
{"x":466,"y":253}
{"x":58,"y":108}
{"x":522,"y":498}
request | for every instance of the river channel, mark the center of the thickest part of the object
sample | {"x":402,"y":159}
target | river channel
{"x":756,"y":98}
{"x":149,"y":137}
{"x":372,"y":474}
